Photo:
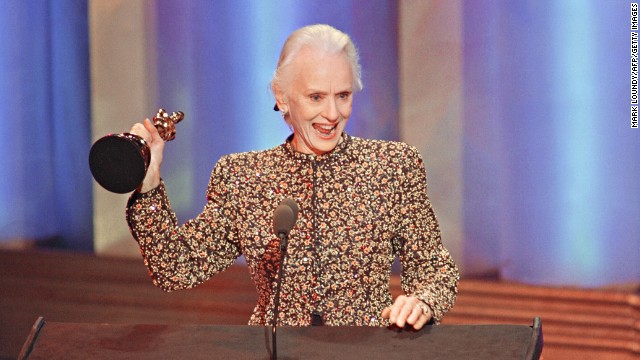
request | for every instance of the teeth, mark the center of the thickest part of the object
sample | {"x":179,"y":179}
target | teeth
{"x":325,"y":130}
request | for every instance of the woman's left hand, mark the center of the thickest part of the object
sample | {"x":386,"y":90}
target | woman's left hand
{"x":405,"y":310}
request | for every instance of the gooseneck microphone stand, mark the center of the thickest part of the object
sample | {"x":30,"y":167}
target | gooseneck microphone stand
{"x":276,"y":307}
{"x":284,"y":219}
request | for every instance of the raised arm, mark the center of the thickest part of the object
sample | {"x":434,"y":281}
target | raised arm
{"x":184,"y":256}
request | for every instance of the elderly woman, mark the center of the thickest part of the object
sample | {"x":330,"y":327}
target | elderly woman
{"x":362,"y":203}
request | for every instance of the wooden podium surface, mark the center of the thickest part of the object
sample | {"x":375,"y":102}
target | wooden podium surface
{"x":51,"y":340}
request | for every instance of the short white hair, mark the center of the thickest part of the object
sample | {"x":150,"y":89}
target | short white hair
{"x":322,"y":37}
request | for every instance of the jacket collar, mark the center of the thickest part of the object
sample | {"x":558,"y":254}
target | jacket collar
{"x":339,"y":149}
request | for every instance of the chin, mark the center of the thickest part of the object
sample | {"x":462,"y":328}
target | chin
{"x":325,"y":147}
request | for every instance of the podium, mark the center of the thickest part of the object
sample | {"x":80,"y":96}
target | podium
{"x":53,"y":340}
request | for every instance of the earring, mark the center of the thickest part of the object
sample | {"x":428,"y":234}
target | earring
{"x":283,"y":112}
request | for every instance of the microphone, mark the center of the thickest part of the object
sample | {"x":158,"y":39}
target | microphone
{"x":284,"y":219}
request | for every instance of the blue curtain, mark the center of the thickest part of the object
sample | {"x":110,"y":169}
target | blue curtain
{"x":551,"y":163}
{"x":45,"y":185}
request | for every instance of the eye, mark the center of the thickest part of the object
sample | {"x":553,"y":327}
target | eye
{"x":344,"y":95}
{"x":315,"y":97}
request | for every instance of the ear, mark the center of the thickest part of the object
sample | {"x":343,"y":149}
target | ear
{"x":281,"y":99}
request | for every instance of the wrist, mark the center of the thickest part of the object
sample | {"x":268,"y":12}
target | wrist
{"x":148,"y":185}
{"x":151,"y":180}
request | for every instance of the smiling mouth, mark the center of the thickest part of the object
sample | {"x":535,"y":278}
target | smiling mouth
{"x":325,"y":131}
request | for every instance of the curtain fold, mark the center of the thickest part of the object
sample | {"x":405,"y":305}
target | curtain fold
{"x":550,"y":158}
{"x":45,"y":185}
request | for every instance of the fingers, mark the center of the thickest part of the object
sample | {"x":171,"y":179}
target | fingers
{"x":150,"y":135}
{"x":147,"y":131}
{"x":418,"y":318}
{"x":405,"y":310}
{"x":386,"y":312}
{"x":422,"y":320}
{"x":414,"y":316}
{"x":155,"y":135}
{"x":142,"y":131}
{"x":398,"y":310}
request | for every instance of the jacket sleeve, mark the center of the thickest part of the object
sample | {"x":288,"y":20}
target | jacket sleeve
{"x":428,"y":271}
{"x":180,"y":257}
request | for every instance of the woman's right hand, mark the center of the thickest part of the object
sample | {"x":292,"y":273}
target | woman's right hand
{"x":150,"y":134}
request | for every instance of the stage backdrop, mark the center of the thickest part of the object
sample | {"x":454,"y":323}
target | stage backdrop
{"x":551,"y":168}
{"x":520,"y":109}
{"x":45,"y":190}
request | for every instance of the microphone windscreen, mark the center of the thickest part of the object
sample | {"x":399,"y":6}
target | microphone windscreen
{"x":283,"y":219}
{"x":294,"y":207}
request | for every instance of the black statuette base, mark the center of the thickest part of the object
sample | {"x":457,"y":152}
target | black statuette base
{"x":119,"y":162}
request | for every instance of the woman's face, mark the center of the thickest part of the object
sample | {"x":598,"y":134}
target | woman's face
{"x":319,"y":100}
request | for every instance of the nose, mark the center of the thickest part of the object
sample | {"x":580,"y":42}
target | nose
{"x":331,"y":112}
